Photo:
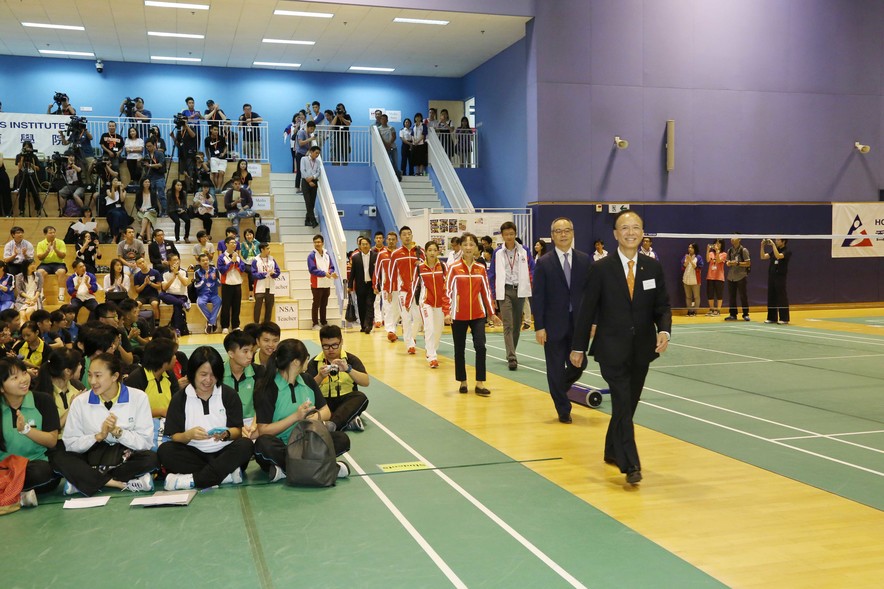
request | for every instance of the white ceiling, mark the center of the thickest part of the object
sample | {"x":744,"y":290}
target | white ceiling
{"x":116,"y":30}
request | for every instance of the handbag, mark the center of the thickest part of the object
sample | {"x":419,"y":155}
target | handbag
{"x":350,"y":316}
{"x":310,"y":455}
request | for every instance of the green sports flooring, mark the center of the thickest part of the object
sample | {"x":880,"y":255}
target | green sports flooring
{"x":477,"y":520}
{"x":804,"y":403}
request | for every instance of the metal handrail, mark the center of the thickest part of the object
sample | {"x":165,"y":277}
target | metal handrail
{"x":448,"y":178}
{"x":389,"y":183}
{"x":333,"y":232}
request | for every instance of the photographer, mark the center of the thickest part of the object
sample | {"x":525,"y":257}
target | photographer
{"x":73,"y":186}
{"x":339,"y":376}
{"x":251,"y":134}
{"x":138,"y":116}
{"x":111,"y":145}
{"x":80,"y":138}
{"x":63,"y":107}
{"x":340,"y":124}
{"x":187,"y":142}
{"x":154,"y":133}
{"x":28,"y":183}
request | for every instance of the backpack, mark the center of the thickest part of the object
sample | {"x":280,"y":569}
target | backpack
{"x":72,"y":209}
{"x":310,"y":455}
{"x":262,"y":234}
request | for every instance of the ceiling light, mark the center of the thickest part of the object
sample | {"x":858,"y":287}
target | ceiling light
{"x":288,"y":41}
{"x":276,"y":64}
{"x":74,"y":53}
{"x":305,"y":14}
{"x":163,"y":58}
{"x":179,"y":35}
{"x":421,"y":21}
{"x":362,"y":68}
{"x":176,"y":5}
{"x":40,"y":25}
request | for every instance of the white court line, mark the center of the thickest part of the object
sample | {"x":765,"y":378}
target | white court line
{"x":759,"y":361}
{"x":763,"y":439}
{"x":875,"y":431}
{"x":434,"y":556}
{"x":841,"y":337}
{"x":481,"y":507}
{"x":716,"y":351}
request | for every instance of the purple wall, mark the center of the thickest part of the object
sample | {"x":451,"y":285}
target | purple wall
{"x":768,"y":97}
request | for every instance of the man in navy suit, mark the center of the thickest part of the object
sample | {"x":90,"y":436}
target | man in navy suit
{"x":626,"y":300}
{"x":559,"y":278}
{"x":362,"y":263}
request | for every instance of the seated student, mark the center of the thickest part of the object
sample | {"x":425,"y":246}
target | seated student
{"x":12,"y":319}
{"x":229,"y":232}
{"x":7,"y":288}
{"x":87,"y":250}
{"x":267,"y":335}
{"x":161,"y":251}
{"x":116,"y":282}
{"x":59,"y":378}
{"x":43,"y":319}
{"x":107,"y":436}
{"x":148,"y":284}
{"x":204,"y":245}
{"x":206,"y":280}
{"x":96,"y":338}
{"x":241,"y":374}
{"x":57,"y":332}
{"x":174,"y":293}
{"x":204,"y":206}
{"x":28,"y":428}
{"x":108,"y":314}
{"x":282,"y":397}
{"x":156,"y":379}
{"x":339,"y":375}
{"x":50,"y":253}
{"x":31,"y":347}
{"x":137,"y":330}
{"x":179,"y":364}
{"x":204,"y":423}
{"x":238,"y":204}
{"x":82,"y":286}
{"x":6,"y":340}
{"x":28,"y":290}
{"x":71,"y":326}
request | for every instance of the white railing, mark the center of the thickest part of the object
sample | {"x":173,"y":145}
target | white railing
{"x":402,"y":213}
{"x":460,"y":146}
{"x":333,"y":231}
{"x":257,"y":149}
{"x":448,"y":178}
{"x":343,"y":146}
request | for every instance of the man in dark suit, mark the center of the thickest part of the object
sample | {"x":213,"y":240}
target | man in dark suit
{"x":362,"y":264}
{"x":557,"y":288}
{"x":159,"y":251}
{"x":626,"y":300}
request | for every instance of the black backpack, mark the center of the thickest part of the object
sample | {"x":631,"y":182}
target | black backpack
{"x":310,"y":455}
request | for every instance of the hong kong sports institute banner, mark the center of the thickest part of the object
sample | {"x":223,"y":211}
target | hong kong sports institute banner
{"x":43,"y":131}
{"x":859,"y":230}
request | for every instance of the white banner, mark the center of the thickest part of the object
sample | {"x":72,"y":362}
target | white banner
{"x":282,"y":285}
{"x":444,"y":226}
{"x":287,"y":315}
{"x":860,"y":227}
{"x":43,"y":131}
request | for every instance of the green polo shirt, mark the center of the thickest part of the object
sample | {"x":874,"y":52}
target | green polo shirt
{"x":245,"y":388}
{"x":274,"y":405}
{"x":39,"y":411}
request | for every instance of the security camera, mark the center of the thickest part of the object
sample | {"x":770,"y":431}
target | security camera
{"x":621,"y":143}
{"x":862,"y":148}
{"x":99,"y":66}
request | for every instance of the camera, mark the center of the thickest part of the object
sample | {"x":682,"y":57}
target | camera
{"x":180,"y":120}
{"x":339,"y":111}
{"x":333,"y":369}
{"x":129,"y":107}
{"x":60,"y":98}
{"x":58,"y":158}
{"x":76,"y":125}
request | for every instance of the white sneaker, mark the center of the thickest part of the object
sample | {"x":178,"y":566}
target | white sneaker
{"x":234,"y":478}
{"x":142,"y":483}
{"x":355,"y":425}
{"x":275,"y":473}
{"x":60,"y":294}
{"x":69,"y":489}
{"x":251,"y":298}
{"x":187,"y":305}
{"x":29,"y":498}
{"x":343,"y":470}
{"x":316,"y":327}
{"x":225,"y":331}
{"x":178,"y":482}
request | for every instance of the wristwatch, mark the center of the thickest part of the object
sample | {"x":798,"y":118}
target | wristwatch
{"x":26,"y":429}
{"x":349,"y":368}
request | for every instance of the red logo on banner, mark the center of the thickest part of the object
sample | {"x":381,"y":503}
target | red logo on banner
{"x":857,"y":241}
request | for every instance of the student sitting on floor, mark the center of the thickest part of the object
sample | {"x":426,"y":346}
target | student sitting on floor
{"x":31,"y":347}
{"x":241,"y":374}
{"x":340,"y":375}
{"x":59,"y":377}
{"x":284,"y":396}
{"x":156,"y":379}
{"x":107,"y":436}
{"x":205,"y":423}
{"x":179,"y":364}
{"x":28,"y":428}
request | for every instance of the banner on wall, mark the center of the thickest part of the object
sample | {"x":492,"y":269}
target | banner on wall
{"x":860,"y":227}
{"x":444,"y":226}
{"x":43,"y":131}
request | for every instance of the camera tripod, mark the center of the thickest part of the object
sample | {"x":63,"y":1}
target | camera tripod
{"x":30,"y":183}
{"x":52,"y":182}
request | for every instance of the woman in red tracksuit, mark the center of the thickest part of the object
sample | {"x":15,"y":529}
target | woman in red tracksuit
{"x":434,"y":303}
{"x":471,"y":303}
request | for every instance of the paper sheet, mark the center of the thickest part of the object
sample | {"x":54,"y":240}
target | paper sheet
{"x":86,"y":502}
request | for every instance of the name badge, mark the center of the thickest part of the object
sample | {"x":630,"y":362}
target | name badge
{"x":649,"y":284}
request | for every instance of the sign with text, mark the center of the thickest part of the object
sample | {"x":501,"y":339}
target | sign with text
{"x":255,"y":170}
{"x":43,"y":131}
{"x":860,"y":227}
{"x":444,"y":226}
{"x":287,"y":315}
{"x":261,"y":203}
{"x":282,"y":285}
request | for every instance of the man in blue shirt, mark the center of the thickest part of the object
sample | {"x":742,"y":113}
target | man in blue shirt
{"x":206,"y":281}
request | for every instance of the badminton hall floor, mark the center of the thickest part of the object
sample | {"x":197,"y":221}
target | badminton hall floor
{"x":762,"y":450}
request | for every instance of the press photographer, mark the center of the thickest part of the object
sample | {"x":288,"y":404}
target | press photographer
{"x":137,"y":114}
{"x":187,"y":143}
{"x":77,"y":134}
{"x":61,"y":104}
{"x":27,"y":180}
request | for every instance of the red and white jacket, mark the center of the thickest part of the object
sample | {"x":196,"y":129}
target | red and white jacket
{"x":381,"y":271}
{"x":434,"y":291}
{"x":469,"y":291}
{"x":403,"y":272}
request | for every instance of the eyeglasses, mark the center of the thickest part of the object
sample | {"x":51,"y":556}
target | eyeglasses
{"x":109,"y":317}
{"x":563,"y":231}
{"x":331,"y":346}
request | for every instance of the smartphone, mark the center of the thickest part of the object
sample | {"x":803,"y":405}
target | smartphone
{"x":217,"y":430}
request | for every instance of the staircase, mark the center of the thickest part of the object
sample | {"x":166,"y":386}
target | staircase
{"x":420,"y":193}
{"x":297,"y":240}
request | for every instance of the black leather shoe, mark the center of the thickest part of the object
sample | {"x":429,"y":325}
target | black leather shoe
{"x":513,"y":364}
{"x":565,"y":418}
{"x":463,"y":390}
{"x":482,"y":392}
{"x":634,"y":476}
{"x":609,"y":460}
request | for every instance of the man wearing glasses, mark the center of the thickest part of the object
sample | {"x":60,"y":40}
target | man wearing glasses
{"x":559,"y":278}
{"x":108,"y":314}
{"x":339,"y":376}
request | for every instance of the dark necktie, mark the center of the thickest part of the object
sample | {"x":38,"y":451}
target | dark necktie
{"x":292,"y":388}
{"x":567,"y":268}
{"x":108,"y":404}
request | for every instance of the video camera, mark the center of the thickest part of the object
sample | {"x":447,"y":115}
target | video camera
{"x":180,"y":120}
{"x":60,"y":98}
{"x":76,"y":125}
{"x":129,"y":107}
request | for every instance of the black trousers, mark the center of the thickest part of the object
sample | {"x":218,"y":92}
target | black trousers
{"x":178,"y":218}
{"x":309,"y":193}
{"x":365,"y":304}
{"x":320,"y":305}
{"x":557,"y":352}
{"x":777,"y":299}
{"x":77,"y":303}
{"x":459,"y":334}
{"x":345,"y":407}
{"x":40,"y":477}
{"x":208,"y":469}
{"x":89,"y":480}
{"x":231,"y":303}
{"x":270,"y":450}
{"x":625,"y":382}
{"x":735,"y":287}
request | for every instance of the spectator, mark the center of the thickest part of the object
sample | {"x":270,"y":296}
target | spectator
{"x":290,"y":134}
{"x":109,"y":314}
{"x":388,"y":136}
{"x":249,"y":250}
{"x":242,"y":374}
{"x":463,"y":149}
{"x":340,"y":374}
{"x":322,"y":276}
{"x":139,"y":117}
{"x":111,"y":144}
{"x":82,"y":287}
{"x":88,"y":251}
{"x":245,"y":177}
{"x":230,"y":268}
{"x":539,"y":249}
{"x":148,"y":284}
{"x":115,"y":213}
{"x":156,"y":379}
{"x":116,"y":282}
{"x":154,"y":135}
{"x":248,"y":122}
{"x":691,"y":264}
{"x":600,"y":251}
{"x":73,"y":188}
{"x":147,"y":206}
{"x":129,"y":250}
{"x":267,"y":335}
{"x":265,"y":270}
{"x":137,"y":329}
{"x":213,"y":114}
{"x":407,"y":138}
{"x":715,"y":276}
{"x":134,"y":149}
{"x":738,"y":267}
{"x":238,"y":202}
{"x":187,"y":142}
{"x":419,"y":152}
{"x":155,"y":162}
{"x":160,"y":251}
{"x":216,"y":148}
{"x":175,"y":282}
{"x":777,"y":296}
{"x":31,"y":347}
{"x":60,"y":377}
{"x":647,"y":250}
{"x":28,"y":290}
{"x":340,"y":125}
{"x":311,"y":170}
{"x":176,"y":199}
{"x":18,"y":252}
{"x":51,"y":252}
{"x":206,"y":280}
{"x":204,"y":246}
{"x":7,"y":288}
{"x":204,"y":206}
{"x":443,"y":131}
{"x":303,"y":140}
